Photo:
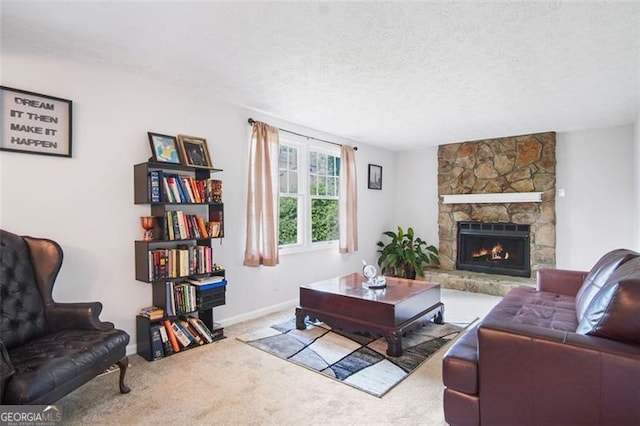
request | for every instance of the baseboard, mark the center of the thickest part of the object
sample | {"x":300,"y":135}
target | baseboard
{"x":259,"y":313}
{"x":226,"y":322}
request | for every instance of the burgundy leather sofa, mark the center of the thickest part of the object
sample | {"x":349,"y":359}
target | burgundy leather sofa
{"x":566,"y":353}
{"x":48,"y":349}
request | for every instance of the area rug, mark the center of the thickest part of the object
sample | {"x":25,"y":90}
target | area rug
{"x":353,"y":359}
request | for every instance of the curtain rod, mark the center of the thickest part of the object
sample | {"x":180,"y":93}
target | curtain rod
{"x":252,"y":121}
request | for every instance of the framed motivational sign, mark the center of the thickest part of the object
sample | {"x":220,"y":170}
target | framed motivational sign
{"x":34,"y":124}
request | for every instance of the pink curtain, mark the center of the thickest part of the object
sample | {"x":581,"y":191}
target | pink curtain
{"x":261,"y":246}
{"x":348,"y":201}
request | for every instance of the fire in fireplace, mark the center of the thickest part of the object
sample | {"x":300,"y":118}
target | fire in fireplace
{"x":494,"y":248}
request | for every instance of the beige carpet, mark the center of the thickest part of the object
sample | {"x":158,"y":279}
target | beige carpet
{"x":229,"y":382}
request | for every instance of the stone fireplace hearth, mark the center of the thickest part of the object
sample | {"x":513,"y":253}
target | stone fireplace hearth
{"x":518,"y":164}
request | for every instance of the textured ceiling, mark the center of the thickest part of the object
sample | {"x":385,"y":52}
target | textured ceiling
{"x":398,"y":75}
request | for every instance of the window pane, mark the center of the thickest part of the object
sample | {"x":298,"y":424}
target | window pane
{"x":313,"y":162}
{"x":293,"y":158}
{"x":288,"y":232}
{"x":322,"y":185}
{"x":313,"y":185}
{"x":331,"y":165}
{"x":293,"y":182}
{"x":283,"y":181}
{"x":324,"y":220}
{"x":322,"y":164}
{"x":331,"y":186}
{"x":282,"y":157}
{"x":337,"y":166}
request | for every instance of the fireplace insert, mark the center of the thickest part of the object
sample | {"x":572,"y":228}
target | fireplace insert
{"x":494,"y":248}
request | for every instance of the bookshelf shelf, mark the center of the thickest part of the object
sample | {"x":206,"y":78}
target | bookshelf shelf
{"x":183,"y":251}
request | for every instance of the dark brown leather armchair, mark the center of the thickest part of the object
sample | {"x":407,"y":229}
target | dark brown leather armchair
{"x":48,"y":349}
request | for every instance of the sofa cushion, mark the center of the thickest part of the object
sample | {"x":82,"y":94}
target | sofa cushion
{"x":599,"y":274}
{"x":524,"y":305}
{"x":614,"y":310}
{"x":51,"y":362}
{"x":460,"y":363}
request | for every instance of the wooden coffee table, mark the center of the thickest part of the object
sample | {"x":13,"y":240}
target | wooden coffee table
{"x":344,"y":303}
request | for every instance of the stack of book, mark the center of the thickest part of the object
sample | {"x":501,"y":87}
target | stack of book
{"x":182,"y":226}
{"x":180,"y":262}
{"x":175,"y":188}
{"x":152,"y":313}
{"x":210,"y":291}
{"x":171,"y":336}
{"x":206,"y":283}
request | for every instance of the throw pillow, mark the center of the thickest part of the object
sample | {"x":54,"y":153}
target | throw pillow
{"x":598,"y":275}
{"x":613,"y":311}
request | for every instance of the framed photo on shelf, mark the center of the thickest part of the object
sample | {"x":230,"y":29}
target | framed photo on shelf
{"x":164,"y":148}
{"x":33,"y":123}
{"x":375,"y":176}
{"x":194,"y":151}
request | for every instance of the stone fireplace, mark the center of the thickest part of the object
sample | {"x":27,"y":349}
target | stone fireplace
{"x":518,"y":165}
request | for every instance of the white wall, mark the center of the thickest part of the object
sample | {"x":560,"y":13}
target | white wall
{"x":417,"y":193}
{"x":596,"y":170}
{"x":636,"y":145}
{"x":86,"y":203}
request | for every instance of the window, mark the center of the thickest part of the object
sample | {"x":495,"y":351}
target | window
{"x":309,"y":190}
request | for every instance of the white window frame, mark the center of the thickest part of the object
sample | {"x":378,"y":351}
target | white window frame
{"x":304,"y":204}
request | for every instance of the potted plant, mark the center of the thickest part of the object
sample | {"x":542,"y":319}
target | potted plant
{"x":405,"y":256}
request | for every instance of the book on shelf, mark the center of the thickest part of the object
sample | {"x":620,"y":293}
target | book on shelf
{"x":184,"y":180}
{"x":182,"y":302}
{"x":201,"y":328}
{"x":172,"y":337}
{"x":184,"y":339}
{"x":166,"y":344}
{"x":200,"y":281}
{"x":183,"y":262}
{"x":181,"y":225}
{"x":188,"y":328}
{"x":152,"y":312}
{"x":202,"y":227}
{"x":169,"y":197}
{"x":157,"y":350}
{"x":217,"y":332}
{"x":155,"y":176}
{"x":213,"y":229}
{"x":216,"y":190}
{"x":173,"y":188}
{"x":169,"y":230}
{"x":193,"y":223}
{"x":195,"y":190}
{"x":170,"y":302}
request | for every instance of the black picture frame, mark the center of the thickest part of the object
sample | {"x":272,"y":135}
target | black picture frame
{"x":164,"y":148}
{"x":33,"y":123}
{"x":375,"y":177}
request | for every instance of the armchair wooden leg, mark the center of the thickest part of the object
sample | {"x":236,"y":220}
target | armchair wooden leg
{"x":123,"y":364}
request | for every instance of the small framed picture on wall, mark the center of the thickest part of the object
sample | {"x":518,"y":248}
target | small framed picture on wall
{"x":33,"y":123}
{"x":375,"y":176}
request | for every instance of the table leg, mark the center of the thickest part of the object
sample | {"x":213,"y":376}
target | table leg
{"x":300,"y":316}
{"x":394,"y":343}
{"x":439,"y":318}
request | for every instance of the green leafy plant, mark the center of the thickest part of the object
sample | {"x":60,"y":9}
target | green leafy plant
{"x":405,"y":256}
